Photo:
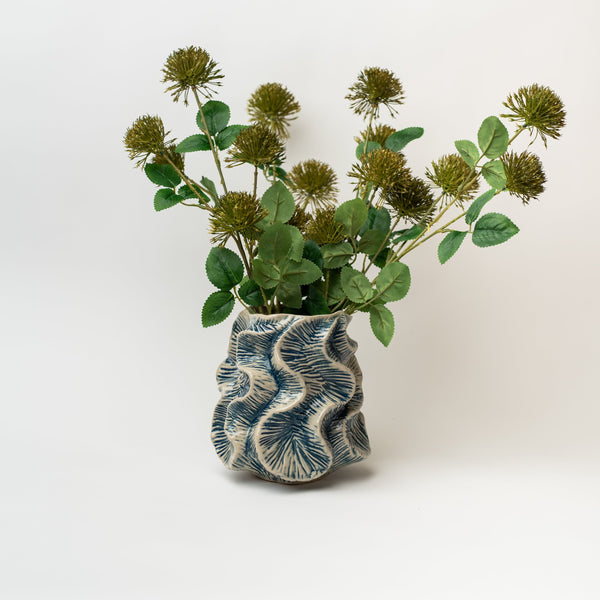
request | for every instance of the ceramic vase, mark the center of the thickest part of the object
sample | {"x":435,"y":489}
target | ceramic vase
{"x":291,"y":397}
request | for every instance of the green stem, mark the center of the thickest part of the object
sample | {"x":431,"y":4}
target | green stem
{"x":191,"y":184}
{"x":214,"y":149}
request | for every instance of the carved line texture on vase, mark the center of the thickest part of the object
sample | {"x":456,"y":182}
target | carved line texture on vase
{"x":291,"y":394}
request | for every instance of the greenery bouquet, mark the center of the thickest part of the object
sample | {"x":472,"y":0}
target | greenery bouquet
{"x":293,"y":248}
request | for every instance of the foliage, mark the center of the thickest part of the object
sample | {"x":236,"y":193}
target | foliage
{"x":289,"y":246}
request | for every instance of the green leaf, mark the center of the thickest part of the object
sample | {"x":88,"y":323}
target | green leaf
{"x":381,"y":259}
{"x":478,"y":205}
{"x":186,"y":192}
{"x":352,"y":214}
{"x":217,"y":308}
{"x":492,"y":137}
{"x":278,"y":200}
{"x":250,"y":293}
{"x":382,"y":323}
{"x":301,"y":272}
{"x":336,"y":255}
{"x":377,"y":218}
{"x":315,"y":303}
{"x":265,"y":274}
{"x":356,"y":285}
{"x":450,"y":244}
{"x":193,"y":143}
{"x":312,"y":251}
{"x":360,"y":149}
{"x":334,"y":290}
{"x":393,"y":282}
{"x":224,"y":268}
{"x":493,"y":173}
{"x":164,"y":175}
{"x":210,"y":186}
{"x":468,"y":150}
{"x":289,"y":294}
{"x":407,"y":234}
{"x":279,"y":173}
{"x":372,"y":241}
{"x":493,"y":229}
{"x":226,"y":137}
{"x":216,"y":115}
{"x":280,"y":242}
{"x":165,"y":198}
{"x":399,"y":139}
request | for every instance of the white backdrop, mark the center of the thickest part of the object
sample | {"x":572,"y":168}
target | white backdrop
{"x":483,"y":413}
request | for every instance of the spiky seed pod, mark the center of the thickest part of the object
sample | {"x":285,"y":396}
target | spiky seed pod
{"x":525,"y":175}
{"x":256,"y":145}
{"x":453,"y":175}
{"x":375,"y":87}
{"x":272,"y":104}
{"x":313,"y":183}
{"x":175,"y":157}
{"x":235,"y":213}
{"x":538,"y":108}
{"x":324,"y":229}
{"x":381,"y":168}
{"x":380,"y":133}
{"x":300,"y":219}
{"x":145,"y":137}
{"x":191,"y":68}
{"x":412,"y":200}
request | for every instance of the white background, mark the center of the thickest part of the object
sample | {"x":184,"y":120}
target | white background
{"x":483,"y":414}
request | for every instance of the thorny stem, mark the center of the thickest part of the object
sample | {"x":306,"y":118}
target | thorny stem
{"x":215,"y":152}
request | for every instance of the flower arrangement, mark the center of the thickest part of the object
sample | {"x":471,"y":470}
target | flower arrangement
{"x":293,"y":248}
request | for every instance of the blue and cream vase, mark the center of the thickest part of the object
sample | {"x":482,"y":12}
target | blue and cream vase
{"x":291,"y":394}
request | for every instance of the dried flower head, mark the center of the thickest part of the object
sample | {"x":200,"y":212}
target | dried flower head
{"x":381,"y":168}
{"x":538,"y":108}
{"x":525,"y":175}
{"x":169,"y":154}
{"x":193,"y":69}
{"x":256,"y":145}
{"x":324,"y":229}
{"x":380,"y":133}
{"x":411,"y":201}
{"x":145,"y":137}
{"x":375,"y":87}
{"x":272,"y":104}
{"x":237,"y":213}
{"x":453,"y":175}
{"x":300,"y":219}
{"x":313,"y":183}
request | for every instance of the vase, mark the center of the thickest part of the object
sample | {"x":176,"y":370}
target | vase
{"x":291,"y":397}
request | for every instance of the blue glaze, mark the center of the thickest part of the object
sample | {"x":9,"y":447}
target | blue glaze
{"x":291,"y":393}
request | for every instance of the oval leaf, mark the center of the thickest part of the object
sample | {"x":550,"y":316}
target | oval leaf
{"x":492,"y":137}
{"x":301,"y":272}
{"x":393,"y":282}
{"x":356,"y":285}
{"x":336,"y":255}
{"x":216,"y":115}
{"x":352,"y":214}
{"x":468,"y":150}
{"x":377,"y":218}
{"x":360,"y":149}
{"x":226,"y":137}
{"x":193,"y":143}
{"x":164,"y":175}
{"x":275,"y":244}
{"x":289,"y":294}
{"x":399,"y":139}
{"x":312,"y":251}
{"x":450,"y":244}
{"x":266,"y":275}
{"x":372,"y":241}
{"x":382,"y":323}
{"x":478,"y":205}
{"x":493,"y":173}
{"x":250,"y":293}
{"x":217,"y":308}
{"x":279,"y":203}
{"x":493,"y":229}
{"x":165,"y":198}
{"x":224,"y":268}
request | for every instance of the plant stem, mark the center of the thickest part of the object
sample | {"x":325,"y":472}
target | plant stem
{"x":191,"y":184}
{"x":255,"y":181}
{"x":214,"y":149}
